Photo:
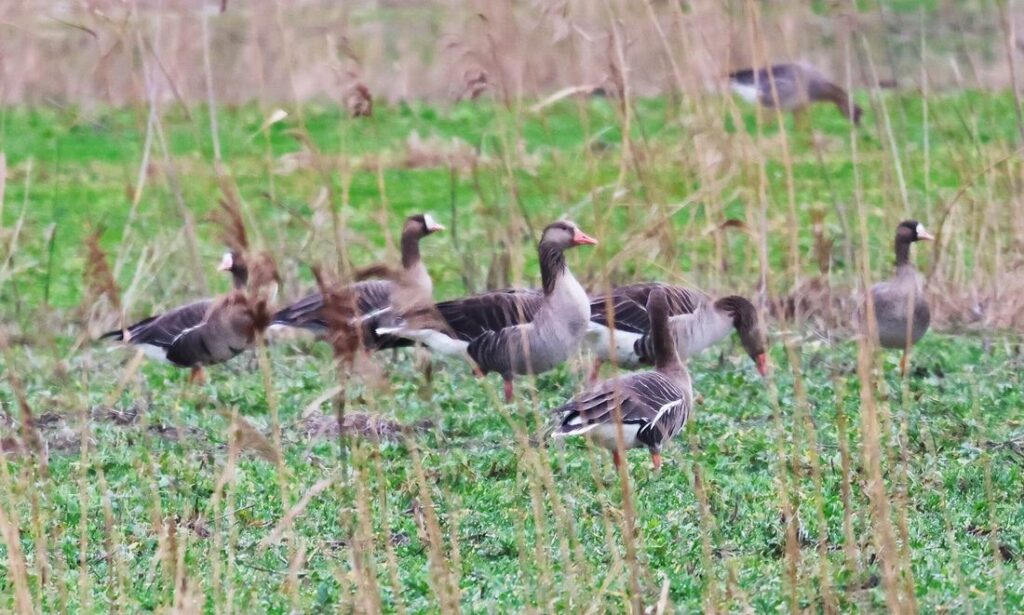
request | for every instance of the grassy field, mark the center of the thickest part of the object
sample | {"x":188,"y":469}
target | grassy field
{"x":149,"y":501}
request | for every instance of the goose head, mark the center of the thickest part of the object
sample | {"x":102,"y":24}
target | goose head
{"x":564,"y":234}
{"x":256,"y":271}
{"x":234,"y":263}
{"x":744,"y":319}
{"x":421,"y":225}
{"x":910,"y":231}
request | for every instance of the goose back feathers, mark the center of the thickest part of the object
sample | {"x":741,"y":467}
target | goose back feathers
{"x":204,"y":332}
{"x":902,"y":294}
{"x":560,"y":320}
{"x":654,"y":406}
{"x":793,"y":86}
{"x":696,"y":321}
{"x":375,"y":299}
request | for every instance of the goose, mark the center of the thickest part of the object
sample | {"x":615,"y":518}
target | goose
{"x":515,"y":332}
{"x":654,"y":405}
{"x":892,"y":298}
{"x":204,"y":332}
{"x":797,"y":86}
{"x":696,"y":320}
{"x":375,"y":298}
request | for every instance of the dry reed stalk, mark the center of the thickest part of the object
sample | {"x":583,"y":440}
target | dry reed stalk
{"x":98,"y":278}
{"x":935,"y":480}
{"x":851,"y":555}
{"x":113,"y":545}
{"x":872,"y":437}
{"x":292,"y":586}
{"x":44,"y":577}
{"x":224,"y":488}
{"x":993,"y":536}
{"x":609,"y":516}
{"x":363,"y":546}
{"x":211,"y":100}
{"x":802,"y":417}
{"x":173,"y":184}
{"x":9,"y":527}
{"x":58,"y":572}
{"x":85,"y":463}
{"x":543,"y":591}
{"x":573,"y":559}
{"x":288,"y":519}
{"x":27,"y":422}
{"x":902,"y":500}
{"x":786,"y":503}
{"x":871,"y":446}
{"x":385,"y":520}
{"x":3,"y":186}
{"x":710,"y":597}
{"x":441,"y":579}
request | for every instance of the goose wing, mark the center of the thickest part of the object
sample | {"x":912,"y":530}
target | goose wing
{"x":161,"y":330}
{"x":473,"y":316}
{"x":306,"y":313}
{"x":651,"y":401}
{"x":627,"y":314}
{"x":628,"y":304}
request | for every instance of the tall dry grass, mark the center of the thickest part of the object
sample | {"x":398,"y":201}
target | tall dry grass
{"x":86,"y":52}
{"x":145,"y":52}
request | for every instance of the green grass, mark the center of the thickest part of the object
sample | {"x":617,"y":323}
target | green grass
{"x":961,"y":406}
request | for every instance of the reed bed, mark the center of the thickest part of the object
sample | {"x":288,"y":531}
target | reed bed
{"x":306,"y":477}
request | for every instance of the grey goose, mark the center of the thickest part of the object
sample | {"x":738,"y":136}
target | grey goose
{"x":375,"y":298}
{"x":696,"y":321}
{"x":796,"y":86}
{"x":515,"y":332}
{"x":204,"y":332}
{"x":653,"y":406}
{"x":902,"y":295}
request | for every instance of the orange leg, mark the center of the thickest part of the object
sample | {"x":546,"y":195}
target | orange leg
{"x":198,"y":376}
{"x":595,"y":371}
{"x":508,"y":391}
{"x":616,"y":459}
{"x":903,"y":363}
{"x":656,"y":460}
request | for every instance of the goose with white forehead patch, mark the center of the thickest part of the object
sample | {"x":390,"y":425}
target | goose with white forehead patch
{"x":515,"y":332}
{"x":204,"y":332}
{"x":901,"y":310}
{"x":376,"y":299}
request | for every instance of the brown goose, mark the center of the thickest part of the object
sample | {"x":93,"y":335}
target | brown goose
{"x":696,"y":321}
{"x":892,"y":298}
{"x":516,"y":332}
{"x":374,"y":298}
{"x":797,"y":86}
{"x":654,"y":405}
{"x":204,"y":332}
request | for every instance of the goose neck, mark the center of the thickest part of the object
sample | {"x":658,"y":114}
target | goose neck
{"x":552,"y":266}
{"x":410,"y":250}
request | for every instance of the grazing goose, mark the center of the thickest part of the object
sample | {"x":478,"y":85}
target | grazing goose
{"x":696,"y":321}
{"x":654,"y":406}
{"x":892,"y":297}
{"x":796,"y":85}
{"x":204,"y":332}
{"x":516,"y":332}
{"x":375,"y":298}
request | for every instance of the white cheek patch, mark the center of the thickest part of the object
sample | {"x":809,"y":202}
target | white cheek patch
{"x":920,"y":229}
{"x":227,"y":262}
{"x":430,"y":222}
